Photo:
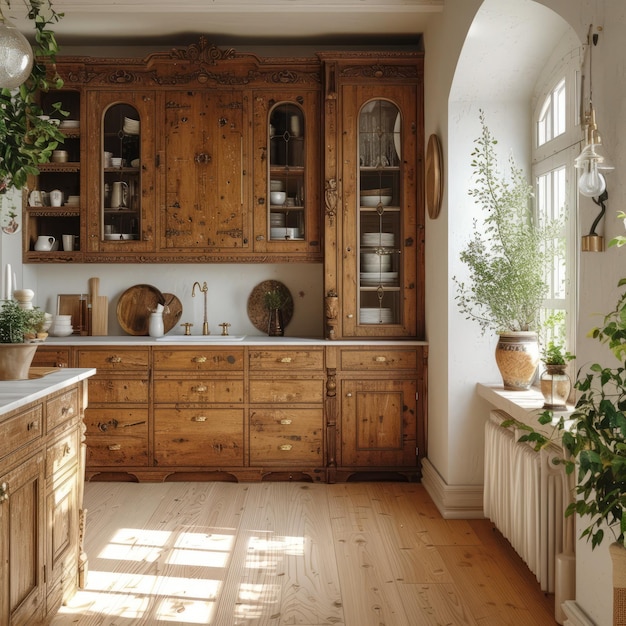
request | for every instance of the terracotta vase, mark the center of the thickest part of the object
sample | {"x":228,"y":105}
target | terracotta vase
{"x":517,"y":357}
{"x":15,"y":360}
{"x":618,"y":558}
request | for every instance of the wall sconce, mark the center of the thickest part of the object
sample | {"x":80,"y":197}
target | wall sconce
{"x":16,"y":55}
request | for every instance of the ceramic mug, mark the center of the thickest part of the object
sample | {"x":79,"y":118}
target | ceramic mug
{"x":56,"y":197}
{"x":44,"y":243}
{"x":68,"y":243}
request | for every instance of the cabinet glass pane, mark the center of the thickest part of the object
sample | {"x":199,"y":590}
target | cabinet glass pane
{"x":121,"y":173}
{"x":286,"y":173}
{"x":380,"y":214}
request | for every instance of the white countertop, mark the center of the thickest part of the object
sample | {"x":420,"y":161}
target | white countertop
{"x":248,"y":340}
{"x":15,"y":394}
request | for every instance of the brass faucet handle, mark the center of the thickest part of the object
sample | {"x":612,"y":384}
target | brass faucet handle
{"x":225,"y":326}
{"x":187,"y":326}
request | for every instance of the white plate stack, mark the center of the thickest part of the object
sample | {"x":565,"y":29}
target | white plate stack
{"x":375,"y":316}
{"x":375,"y":240}
{"x":373,"y":279}
{"x":277,"y":220}
{"x":61,"y":326}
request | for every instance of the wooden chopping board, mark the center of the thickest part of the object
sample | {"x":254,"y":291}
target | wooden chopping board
{"x":99,"y":309}
{"x":258,"y":314}
{"x":134,"y":307}
{"x":172,"y":313}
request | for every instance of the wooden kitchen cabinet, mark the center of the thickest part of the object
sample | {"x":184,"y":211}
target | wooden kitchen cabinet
{"x":41,"y":478}
{"x":199,"y":396}
{"x":121,"y":196}
{"x":117,"y":420}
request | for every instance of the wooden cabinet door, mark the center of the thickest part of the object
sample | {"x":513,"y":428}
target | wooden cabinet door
{"x":378,"y":423}
{"x":381,"y":208}
{"x":204,"y":173}
{"x":129,"y":227}
{"x":22,"y":543}
{"x":286,"y":158}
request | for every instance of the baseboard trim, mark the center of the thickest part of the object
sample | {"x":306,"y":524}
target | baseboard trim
{"x":453,"y":501}
{"x":575,"y":615}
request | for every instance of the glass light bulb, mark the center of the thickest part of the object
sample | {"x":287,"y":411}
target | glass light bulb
{"x":591,"y":183}
{"x":16,"y":56}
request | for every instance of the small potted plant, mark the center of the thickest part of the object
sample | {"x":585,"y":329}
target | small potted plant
{"x":17,"y":327}
{"x":507,"y":257}
{"x":555,"y":384}
{"x":274,"y":301}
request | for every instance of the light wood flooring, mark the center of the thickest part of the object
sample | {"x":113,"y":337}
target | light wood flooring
{"x":276,"y":554}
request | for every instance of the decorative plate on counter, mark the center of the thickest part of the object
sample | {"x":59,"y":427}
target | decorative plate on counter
{"x":134,"y":308}
{"x":258,"y":314}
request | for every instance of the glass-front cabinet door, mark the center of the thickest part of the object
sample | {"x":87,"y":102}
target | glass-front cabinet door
{"x":379,"y":276}
{"x":286,"y":196}
{"x":121,"y":176}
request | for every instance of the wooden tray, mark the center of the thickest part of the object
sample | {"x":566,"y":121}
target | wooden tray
{"x":258,"y":314}
{"x":173,"y":312}
{"x":134,"y":308}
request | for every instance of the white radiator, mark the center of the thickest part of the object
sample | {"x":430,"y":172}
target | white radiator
{"x":525,"y":497}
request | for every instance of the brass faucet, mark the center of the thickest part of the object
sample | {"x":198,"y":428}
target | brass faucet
{"x":204,"y":289}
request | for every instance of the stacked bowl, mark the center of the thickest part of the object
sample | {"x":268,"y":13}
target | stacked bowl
{"x":61,"y":326}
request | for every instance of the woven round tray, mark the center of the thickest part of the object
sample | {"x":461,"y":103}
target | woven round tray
{"x":258,"y":314}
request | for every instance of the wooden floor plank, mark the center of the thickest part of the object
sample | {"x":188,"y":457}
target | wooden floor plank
{"x":294,"y":554}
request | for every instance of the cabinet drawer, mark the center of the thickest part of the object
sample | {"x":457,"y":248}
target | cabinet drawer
{"x":198,"y":437}
{"x":286,"y":360}
{"x":62,"y":407}
{"x":118,"y":390}
{"x":116,"y":421}
{"x":286,"y":390}
{"x":51,"y":357}
{"x":376,"y":360}
{"x":200,"y":390}
{"x":114,"y":359}
{"x":117,"y":450}
{"x":199,"y":359}
{"x":286,"y":436}
{"x":21,"y":429}
{"x":63,"y":452}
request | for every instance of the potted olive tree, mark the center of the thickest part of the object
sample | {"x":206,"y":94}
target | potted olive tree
{"x":594,"y":439}
{"x":507,"y":257}
{"x":17,"y":350}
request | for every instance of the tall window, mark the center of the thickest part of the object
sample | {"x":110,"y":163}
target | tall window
{"x":556,"y":145}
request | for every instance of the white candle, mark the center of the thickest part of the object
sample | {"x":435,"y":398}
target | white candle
{"x":8,"y":283}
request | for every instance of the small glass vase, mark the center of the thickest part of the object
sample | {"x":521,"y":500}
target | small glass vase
{"x":555,"y":387}
{"x":275,"y":326}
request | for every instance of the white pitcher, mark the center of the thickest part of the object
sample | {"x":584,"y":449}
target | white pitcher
{"x":119,"y":195}
{"x":44,"y":243}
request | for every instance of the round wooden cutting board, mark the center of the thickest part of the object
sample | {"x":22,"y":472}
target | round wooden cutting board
{"x":173,"y":312}
{"x":134,"y":308}
{"x":258,"y":314}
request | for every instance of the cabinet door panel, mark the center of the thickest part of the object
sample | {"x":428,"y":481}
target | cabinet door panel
{"x":378,"y":423}
{"x":204,"y":193}
{"x":205,"y":437}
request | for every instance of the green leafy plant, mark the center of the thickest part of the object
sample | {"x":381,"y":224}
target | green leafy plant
{"x":594,"y":436}
{"x":556,"y":354}
{"x":27,"y":140}
{"x":274,"y":299}
{"x":17,"y":323}
{"x":509,"y":252}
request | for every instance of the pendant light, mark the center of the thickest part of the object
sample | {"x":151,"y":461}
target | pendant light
{"x":16,"y":55}
{"x":590,"y":162}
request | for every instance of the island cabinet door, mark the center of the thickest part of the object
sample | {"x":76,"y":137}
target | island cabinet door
{"x":205,"y":173}
{"x":378,"y":423}
{"x":22,"y":541}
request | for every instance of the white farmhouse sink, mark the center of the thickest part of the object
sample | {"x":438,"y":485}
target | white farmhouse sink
{"x":202,"y":338}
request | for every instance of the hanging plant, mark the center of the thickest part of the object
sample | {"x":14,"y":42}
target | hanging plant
{"x":27,"y":140}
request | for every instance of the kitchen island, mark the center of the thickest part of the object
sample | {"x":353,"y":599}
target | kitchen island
{"x":41,"y":492}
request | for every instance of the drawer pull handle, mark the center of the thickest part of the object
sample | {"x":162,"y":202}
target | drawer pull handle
{"x":114,"y":359}
{"x":286,"y":447}
{"x":285,"y":359}
{"x":285,"y":422}
{"x":114,"y":447}
{"x":4,"y":492}
{"x":67,"y":410}
{"x":348,"y":395}
{"x":199,"y":389}
{"x":380,"y":359}
{"x":67,"y":450}
{"x":198,"y":418}
{"x":198,"y":359}
{"x":34,"y":425}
